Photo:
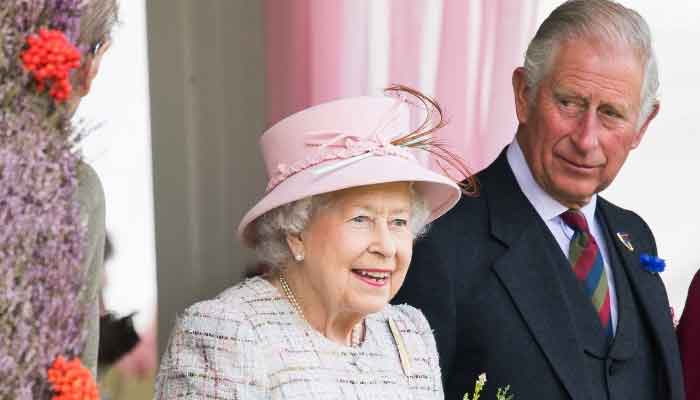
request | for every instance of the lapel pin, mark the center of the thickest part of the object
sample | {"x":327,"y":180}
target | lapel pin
{"x":625,"y":240}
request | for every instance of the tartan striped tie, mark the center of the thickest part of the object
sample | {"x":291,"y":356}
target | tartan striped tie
{"x":587,"y":263}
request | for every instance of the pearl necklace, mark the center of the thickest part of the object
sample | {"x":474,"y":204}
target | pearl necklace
{"x":355,"y":335}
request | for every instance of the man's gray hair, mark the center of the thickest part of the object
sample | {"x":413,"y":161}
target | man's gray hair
{"x":597,"y":19}
{"x":271,"y":229}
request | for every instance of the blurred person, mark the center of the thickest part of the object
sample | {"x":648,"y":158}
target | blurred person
{"x":127,"y":360}
{"x":140,"y":363}
{"x":346,"y":197}
{"x":117,"y":334}
{"x":117,"y":338}
{"x":133,"y":376}
{"x":540,"y":282}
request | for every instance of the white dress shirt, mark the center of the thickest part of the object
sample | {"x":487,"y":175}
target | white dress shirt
{"x":550,"y":210}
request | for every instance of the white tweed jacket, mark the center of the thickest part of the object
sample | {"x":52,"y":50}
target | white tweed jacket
{"x":249,"y":343}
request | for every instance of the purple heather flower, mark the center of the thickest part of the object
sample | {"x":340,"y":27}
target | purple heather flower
{"x":41,"y":239}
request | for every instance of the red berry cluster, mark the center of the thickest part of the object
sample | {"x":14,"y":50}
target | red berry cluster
{"x":50,"y":57}
{"x":70,"y":380}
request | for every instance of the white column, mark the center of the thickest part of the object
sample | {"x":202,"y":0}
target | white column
{"x":206,"y":81}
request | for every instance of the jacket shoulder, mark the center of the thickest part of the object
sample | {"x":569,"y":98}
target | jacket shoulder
{"x":628,"y":218}
{"x":237,"y":303}
{"x":409,"y":315}
{"x":469,"y":211}
{"x":214,"y":352}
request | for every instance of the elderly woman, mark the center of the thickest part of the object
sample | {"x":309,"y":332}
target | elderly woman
{"x":689,"y":340}
{"x":345,"y":200}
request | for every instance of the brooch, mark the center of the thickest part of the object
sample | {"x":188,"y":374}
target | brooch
{"x":625,"y":240}
{"x":404,"y":358}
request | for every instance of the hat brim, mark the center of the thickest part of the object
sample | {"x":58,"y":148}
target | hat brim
{"x":439,"y":192}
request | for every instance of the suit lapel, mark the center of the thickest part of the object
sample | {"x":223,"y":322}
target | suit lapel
{"x":626,"y":341}
{"x":528,"y":271}
{"x":647,"y":288}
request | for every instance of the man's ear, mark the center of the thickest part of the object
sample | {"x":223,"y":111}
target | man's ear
{"x":521,"y":93}
{"x":640,"y":134}
{"x":88,"y":70}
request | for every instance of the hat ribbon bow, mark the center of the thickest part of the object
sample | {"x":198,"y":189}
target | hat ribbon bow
{"x":348,"y":148}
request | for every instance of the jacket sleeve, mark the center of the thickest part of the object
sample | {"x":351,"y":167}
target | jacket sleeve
{"x":211,"y":355}
{"x":92,"y":215}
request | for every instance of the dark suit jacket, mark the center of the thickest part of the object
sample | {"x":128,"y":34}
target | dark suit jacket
{"x":493,"y":297}
{"x":689,"y":340}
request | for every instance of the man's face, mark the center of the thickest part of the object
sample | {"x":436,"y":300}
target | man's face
{"x":583,"y":120}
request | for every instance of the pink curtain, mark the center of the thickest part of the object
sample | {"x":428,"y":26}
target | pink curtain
{"x":474,"y":78}
{"x":315,"y":51}
{"x":319,"y":50}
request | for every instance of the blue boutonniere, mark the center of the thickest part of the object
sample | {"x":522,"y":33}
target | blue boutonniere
{"x":652,"y":264}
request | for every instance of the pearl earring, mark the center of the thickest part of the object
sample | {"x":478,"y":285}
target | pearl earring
{"x":299,"y":257}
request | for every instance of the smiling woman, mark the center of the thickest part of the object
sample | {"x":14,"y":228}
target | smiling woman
{"x":353,"y":256}
{"x":346,"y":199}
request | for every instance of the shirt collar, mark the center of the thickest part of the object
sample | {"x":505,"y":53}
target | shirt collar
{"x":547,"y":207}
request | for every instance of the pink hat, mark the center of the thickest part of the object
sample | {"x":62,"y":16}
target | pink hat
{"x":342,"y":144}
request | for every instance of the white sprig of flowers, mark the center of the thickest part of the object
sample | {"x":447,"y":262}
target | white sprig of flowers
{"x":501,"y":393}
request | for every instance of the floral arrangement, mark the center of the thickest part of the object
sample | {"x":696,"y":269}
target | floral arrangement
{"x":501,"y":393}
{"x":41,"y":237}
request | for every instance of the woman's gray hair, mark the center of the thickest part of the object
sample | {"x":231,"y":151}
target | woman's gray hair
{"x":271,"y":229}
{"x":599,"y":19}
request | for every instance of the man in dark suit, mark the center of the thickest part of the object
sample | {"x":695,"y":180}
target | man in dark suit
{"x":538,"y":282}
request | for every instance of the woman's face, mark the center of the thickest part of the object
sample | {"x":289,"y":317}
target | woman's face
{"x":357,"y":249}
